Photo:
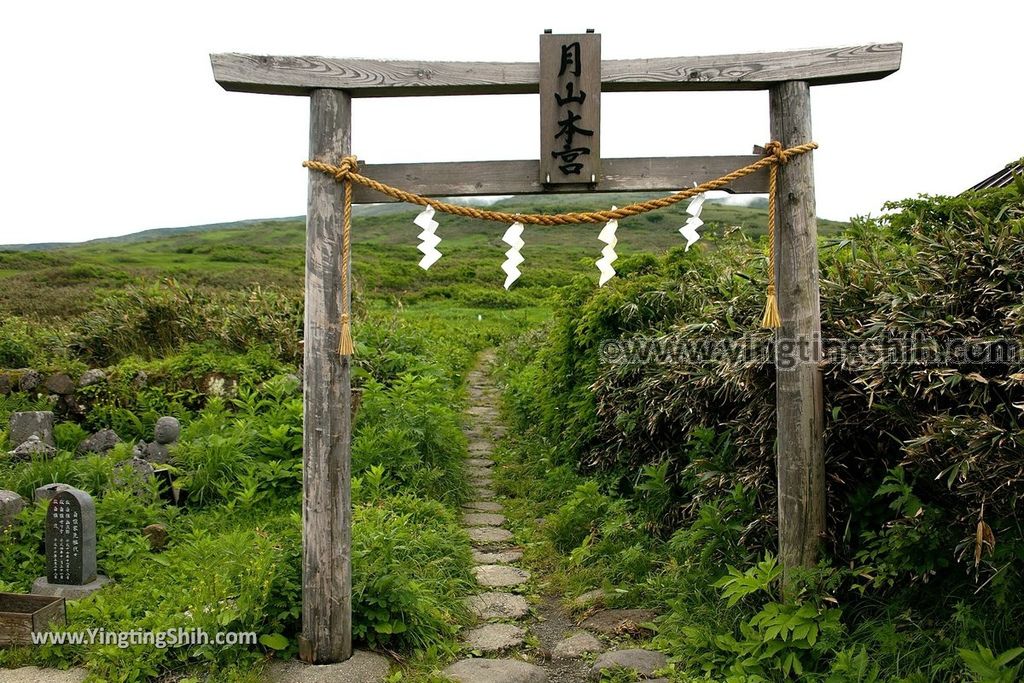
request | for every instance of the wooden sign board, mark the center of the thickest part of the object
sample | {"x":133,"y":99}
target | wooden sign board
{"x":570,"y":108}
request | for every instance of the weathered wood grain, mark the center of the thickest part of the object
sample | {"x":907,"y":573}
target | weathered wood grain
{"x":374,"y":78}
{"x":480,"y":178}
{"x":327,"y":419}
{"x":799,"y":399}
{"x":558,"y":84}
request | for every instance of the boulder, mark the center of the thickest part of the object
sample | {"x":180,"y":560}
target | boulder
{"x":31,"y":448}
{"x":24,"y":425}
{"x":134,"y":472}
{"x":67,"y":406}
{"x":100,"y":442}
{"x":92,"y":377}
{"x":157,"y":453}
{"x":11,"y":504}
{"x":29,"y":381}
{"x":60,"y":384}
{"x":156,"y":534}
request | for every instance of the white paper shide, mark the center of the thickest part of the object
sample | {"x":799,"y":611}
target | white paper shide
{"x":689,"y":230}
{"x":514,"y":238}
{"x":608,"y":255}
{"x":428,"y":238}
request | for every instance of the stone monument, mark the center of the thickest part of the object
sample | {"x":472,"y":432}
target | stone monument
{"x":70,"y":547}
{"x":165,"y":435}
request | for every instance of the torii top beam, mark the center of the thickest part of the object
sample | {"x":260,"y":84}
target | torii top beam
{"x":372,"y":78}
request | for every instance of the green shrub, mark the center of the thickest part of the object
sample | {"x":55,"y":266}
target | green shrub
{"x":411,"y":429}
{"x":409,"y":565}
{"x":14,"y":354}
{"x":67,"y":436}
{"x":923,"y":460}
{"x":578,"y":517}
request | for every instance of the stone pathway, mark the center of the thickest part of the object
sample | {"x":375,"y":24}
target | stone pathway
{"x":497,"y":648}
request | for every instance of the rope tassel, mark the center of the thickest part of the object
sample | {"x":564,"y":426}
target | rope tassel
{"x":345,"y":345}
{"x":773,"y":150}
{"x":771,"y":319}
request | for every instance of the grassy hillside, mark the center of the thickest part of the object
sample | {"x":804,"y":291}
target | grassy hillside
{"x":65,"y":281}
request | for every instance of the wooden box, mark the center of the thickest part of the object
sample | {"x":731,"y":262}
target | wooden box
{"x":22,"y":615}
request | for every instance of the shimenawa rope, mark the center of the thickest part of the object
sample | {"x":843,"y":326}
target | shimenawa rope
{"x":347,"y":172}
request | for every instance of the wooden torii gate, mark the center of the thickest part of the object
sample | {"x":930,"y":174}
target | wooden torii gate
{"x":331,"y":84}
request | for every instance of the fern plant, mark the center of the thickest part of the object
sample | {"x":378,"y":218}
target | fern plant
{"x":987,"y":667}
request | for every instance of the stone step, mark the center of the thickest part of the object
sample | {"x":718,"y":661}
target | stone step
{"x":576,"y":646}
{"x":644,"y":662}
{"x":592,"y":598}
{"x":362,"y":667}
{"x":484,"y":506}
{"x":495,"y":671}
{"x":482,"y":519}
{"x":488,"y":535}
{"x":483,"y":412}
{"x":616,"y":621}
{"x":499,"y":557}
{"x":479,"y":462}
{"x":495,"y":637}
{"x":33,"y":674}
{"x":497,"y":605}
{"x":500,"y":575}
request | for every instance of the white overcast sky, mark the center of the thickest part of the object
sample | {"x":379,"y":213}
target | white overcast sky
{"x":111,"y":122}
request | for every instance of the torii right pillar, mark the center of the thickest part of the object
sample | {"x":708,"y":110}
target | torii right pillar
{"x":799,"y":398}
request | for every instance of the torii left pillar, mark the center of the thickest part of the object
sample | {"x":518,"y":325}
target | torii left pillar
{"x":327,"y":430}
